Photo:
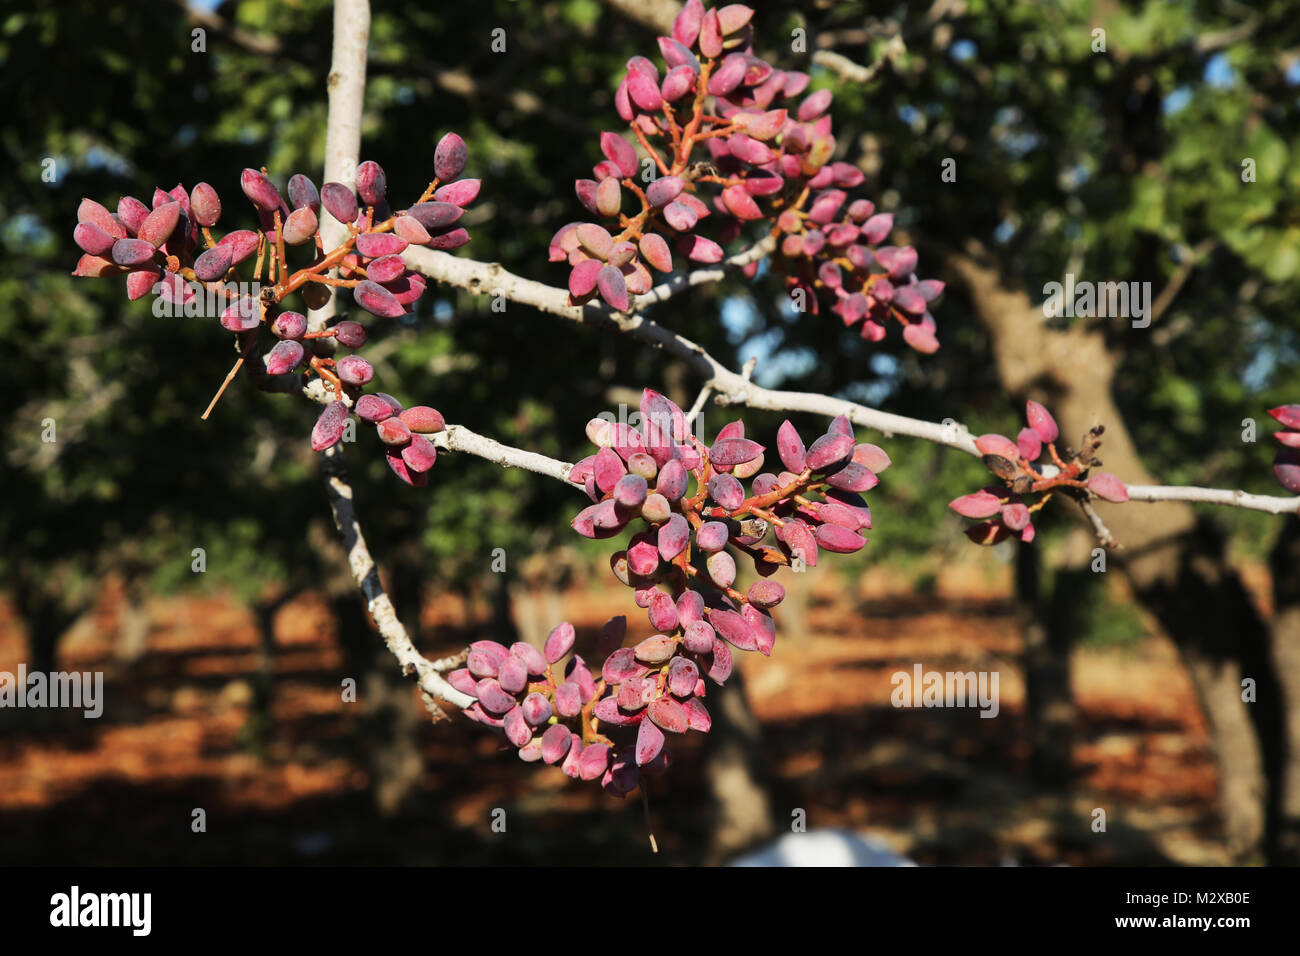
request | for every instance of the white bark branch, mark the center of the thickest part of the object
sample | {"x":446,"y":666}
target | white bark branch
{"x":698,"y":407}
{"x":459,"y":438}
{"x":428,"y":673}
{"x":1099,"y":528}
{"x":733,"y":388}
{"x":1233,"y":498}
{"x":347,"y":85}
{"x":347,"y":96}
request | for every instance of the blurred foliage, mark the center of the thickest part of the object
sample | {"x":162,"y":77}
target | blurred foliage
{"x":1110,"y":165}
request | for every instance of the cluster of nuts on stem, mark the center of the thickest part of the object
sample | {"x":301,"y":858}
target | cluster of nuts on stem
{"x":1028,"y":483}
{"x":725,"y":138}
{"x":1286,"y":463}
{"x":171,"y":252}
{"x":695,"y":516}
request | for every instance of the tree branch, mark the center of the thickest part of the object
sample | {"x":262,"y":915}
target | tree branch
{"x":1180,"y":276}
{"x":459,"y":438}
{"x":852,"y":72}
{"x":1233,"y":498}
{"x":698,"y":407}
{"x":264,"y":44}
{"x":731,"y":388}
{"x":366,"y":574}
{"x":347,"y":97}
{"x":1099,"y":528}
{"x":347,"y":85}
{"x":1218,"y":39}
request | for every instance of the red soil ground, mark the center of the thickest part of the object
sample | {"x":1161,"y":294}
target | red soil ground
{"x":943,"y":786}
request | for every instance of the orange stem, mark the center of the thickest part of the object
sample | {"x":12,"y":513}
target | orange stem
{"x":230,"y":376}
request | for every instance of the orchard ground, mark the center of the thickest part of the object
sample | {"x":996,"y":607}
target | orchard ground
{"x":942,"y":786}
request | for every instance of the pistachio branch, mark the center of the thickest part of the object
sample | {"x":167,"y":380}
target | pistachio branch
{"x":734,"y":388}
{"x":347,"y":83}
{"x":365,"y":573}
{"x":346,"y":87}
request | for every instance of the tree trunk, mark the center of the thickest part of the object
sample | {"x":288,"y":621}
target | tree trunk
{"x":46,"y":619}
{"x":397,"y":762}
{"x":1049,"y":702}
{"x":504,"y":630}
{"x":388,"y":724}
{"x":742,"y":805}
{"x":134,"y":624}
{"x":733,"y":755}
{"x":536,"y":592}
{"x":261,"y":720}
{"x":526,"y":603}
{"x":1174,"y":560}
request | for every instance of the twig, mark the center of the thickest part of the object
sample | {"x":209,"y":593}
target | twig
{"x":261,"y":43}
{"x":230,"y":377}
{"x":1099,"y":528}
{"x":649,"y":825}
{"x":451,"y":662}
{"x":698,"y":407}
{"x":1180,"y":276}
{"x":1218,"y":39}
